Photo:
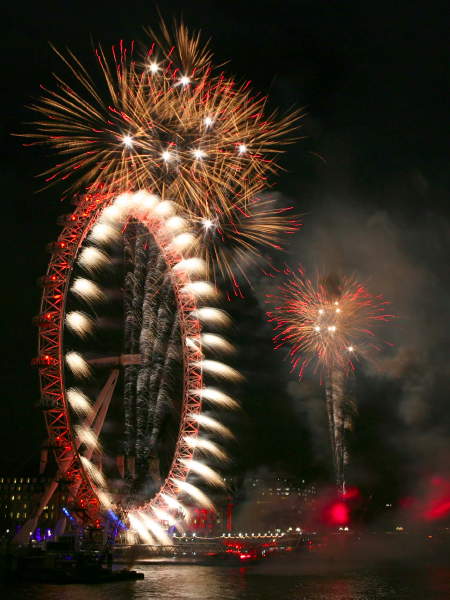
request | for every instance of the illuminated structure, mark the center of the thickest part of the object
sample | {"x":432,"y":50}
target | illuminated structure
{"x":19,"y":497}
{"x":175,"y":152}
{"x":75,"y":423}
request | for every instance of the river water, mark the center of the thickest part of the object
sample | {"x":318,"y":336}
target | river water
{"x":169,"y":582}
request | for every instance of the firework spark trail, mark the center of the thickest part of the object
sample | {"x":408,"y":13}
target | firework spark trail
{"x":165,"y":320}
{"x":163,"y":401}
{"x":146,"y":343}
{"x":129,"y":334}
{"x":335,"y":400}
{"x":140,"y":266}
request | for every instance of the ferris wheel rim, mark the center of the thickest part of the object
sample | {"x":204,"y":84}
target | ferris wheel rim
{"x":51,"y":354}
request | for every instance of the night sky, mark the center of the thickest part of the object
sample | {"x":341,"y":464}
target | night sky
{"x":370,"y":177}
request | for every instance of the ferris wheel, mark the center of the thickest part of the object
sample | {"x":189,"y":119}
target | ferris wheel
{"x":124,"y":407}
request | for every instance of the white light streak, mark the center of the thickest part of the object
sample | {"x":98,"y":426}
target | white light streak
{"x":111,"y":214}
{"x":208,"y":474}
{"x":145,"y":201}
{"x":193,"y":266}
{"x":242,"y":148}
{"x":87,"y":289}
{"x":156,"y":529}
{"x":183,"y":241}
{"x":153,"y":67}
{"x":215,"y":396}
{"x":220,"y":369}
{"x":208,"y":121}
{"x":174,"y":504}
{"x":176,"y":223}
{"x":200,"y":289}
{"x":166,"y":155}
{"x":194,"y":493}
{"x":93,"y":472}
{"x":104,"y":498}
{"x":165,"y":208}
{"x":92,"y":258}
{"x":77,"y":364}
{"x":211,"y":424}
{"x":79,"y":323}
{"x":140,"y":529}
{"x":78,"y":402}
{"x":205,"y":446}
{"x":217,"y":342}
{"x":87,"y":437}
{"x":164,"y":516}
{"x":102,"y":233}
{"x":127,"y":140}
{"x":210,"y":315}
{"x":123,"y":201}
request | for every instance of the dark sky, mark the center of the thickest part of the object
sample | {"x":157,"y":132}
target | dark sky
{"x":370,"y":177}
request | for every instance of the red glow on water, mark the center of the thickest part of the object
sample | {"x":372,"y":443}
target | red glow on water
{"x":439,"y":510}
{"x":406,"y":502}
{"x":350,"y":494}
{"x":437,"y":504}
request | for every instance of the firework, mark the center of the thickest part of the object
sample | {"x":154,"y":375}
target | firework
{"x":329,"y":324}
{"x":170,"y":122}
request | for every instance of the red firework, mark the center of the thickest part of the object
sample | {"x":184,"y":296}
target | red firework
{"x":329,"y":322}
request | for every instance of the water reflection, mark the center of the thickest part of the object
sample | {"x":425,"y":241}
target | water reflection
{"x":213,"y":583}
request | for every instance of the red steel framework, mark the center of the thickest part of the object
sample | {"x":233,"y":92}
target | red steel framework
{"x":50,"y":360}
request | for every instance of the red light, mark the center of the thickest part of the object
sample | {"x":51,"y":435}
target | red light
{"x":338,"y":514}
